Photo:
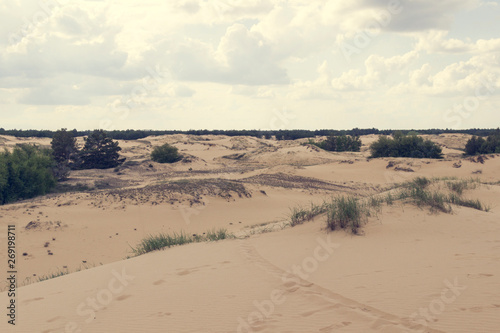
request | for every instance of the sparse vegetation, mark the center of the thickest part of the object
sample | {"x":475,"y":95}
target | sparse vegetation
{"x":299,"y":214}
{"x":460,"y":186}
{"x":53,"y":275}
{"x":165,"y":154}
{"x":350,"y":212}
{"x":162,"y":241}
{"x":339,"y":143}
{"x":346,"y":213}
{"x":401,"y":145}
{"x":437,"y":201}
{"x":78,"y":187}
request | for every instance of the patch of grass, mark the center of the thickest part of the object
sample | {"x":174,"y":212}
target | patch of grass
{"x":78,"y":187}
{"x":389,"y":199}
{"x":299,"y":215}
{"x":460,"y":186}
{"x":162,"y":240}
{"x":471,"y":203}
{"x":215,"y":235}
{"x":420,"y":182}
{"x":375,"y":202}
{"x":53,"y":275}
{"x":61,"y":272}
{"x":346,"y":213}
{"x":437,"y":201}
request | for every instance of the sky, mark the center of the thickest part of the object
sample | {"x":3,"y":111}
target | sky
{"x":249,"y":64}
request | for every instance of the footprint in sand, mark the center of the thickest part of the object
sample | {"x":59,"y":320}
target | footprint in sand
{"x":122,"y":297}
{"x":479,"y":276}
{"x":33,"y":299}
{"x":53,"y":319}
{"x":334,"y":327}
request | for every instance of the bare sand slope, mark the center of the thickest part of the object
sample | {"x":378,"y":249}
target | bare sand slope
{"x":411,"y":271}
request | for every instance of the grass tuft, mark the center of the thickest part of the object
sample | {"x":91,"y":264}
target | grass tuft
{"x":346,"y":213}
{"x":162,"y":240}
{"x":300,"y":215}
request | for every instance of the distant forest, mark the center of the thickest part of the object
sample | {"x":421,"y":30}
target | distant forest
{"x":279,"y":134}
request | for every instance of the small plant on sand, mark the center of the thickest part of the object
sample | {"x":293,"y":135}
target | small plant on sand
{"x":53,"y":275}
{"x":346,"y":213}
{"x":299,"y":214}
{"x":416,"y":191}
{"x":471,"y":203}
{"x":165,"y":154}
{"x":460,"y":186}
{"x":162,"y":240}
{"x":215,"y":235}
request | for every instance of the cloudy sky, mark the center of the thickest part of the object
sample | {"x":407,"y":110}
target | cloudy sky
{"x":249,"y":64}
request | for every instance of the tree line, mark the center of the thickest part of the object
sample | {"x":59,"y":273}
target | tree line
{"x":291,"y":134}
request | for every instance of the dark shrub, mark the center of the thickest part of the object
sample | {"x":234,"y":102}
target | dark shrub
{"x":405,"y":146}
{"x":340,"y":143}
{"x":478,"y":145}
{"x":165,"y":154}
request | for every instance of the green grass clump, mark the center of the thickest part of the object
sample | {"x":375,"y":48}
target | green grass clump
{"x":389,"y":199}
{"x":299,"y":214}
{"x":53,"y":275}
{"x":215,"y":235}
{"x":345,"y":213}
{"x":470,"y":203}
{"x":416,"y":191}
{"x":420,"y":182}
{"x":162,"y":240}
{"x":460,"y":186}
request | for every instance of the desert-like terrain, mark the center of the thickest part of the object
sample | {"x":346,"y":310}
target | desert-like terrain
{"x":409,"y":270}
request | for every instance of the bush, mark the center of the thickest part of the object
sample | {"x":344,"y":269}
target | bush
{"x":405,"y":146}
{"x":25,"y":173}
{"x":165,"y":154}
{"x":478,"y":145}
{"x":339,"y":143}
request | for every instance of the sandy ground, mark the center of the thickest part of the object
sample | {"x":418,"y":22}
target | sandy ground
{"x":410,"y":271}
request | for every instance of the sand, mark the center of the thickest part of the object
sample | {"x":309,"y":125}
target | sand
{"x":410,"y":270}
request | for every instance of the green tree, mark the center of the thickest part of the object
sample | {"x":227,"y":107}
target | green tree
{"x":25,"y":172}
{"x":165,"y":154}
{"x":63,"y":145}
{"x":64,"y":151}
{"x":99,"y":152}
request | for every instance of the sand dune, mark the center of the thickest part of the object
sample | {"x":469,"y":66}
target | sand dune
{"x":410,"y":271}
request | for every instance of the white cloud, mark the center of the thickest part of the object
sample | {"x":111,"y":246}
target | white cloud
{"x":223,"y":59}
{"x":436,"y":42}
{"x":378,"y":72}
{"x":242,"y":56}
